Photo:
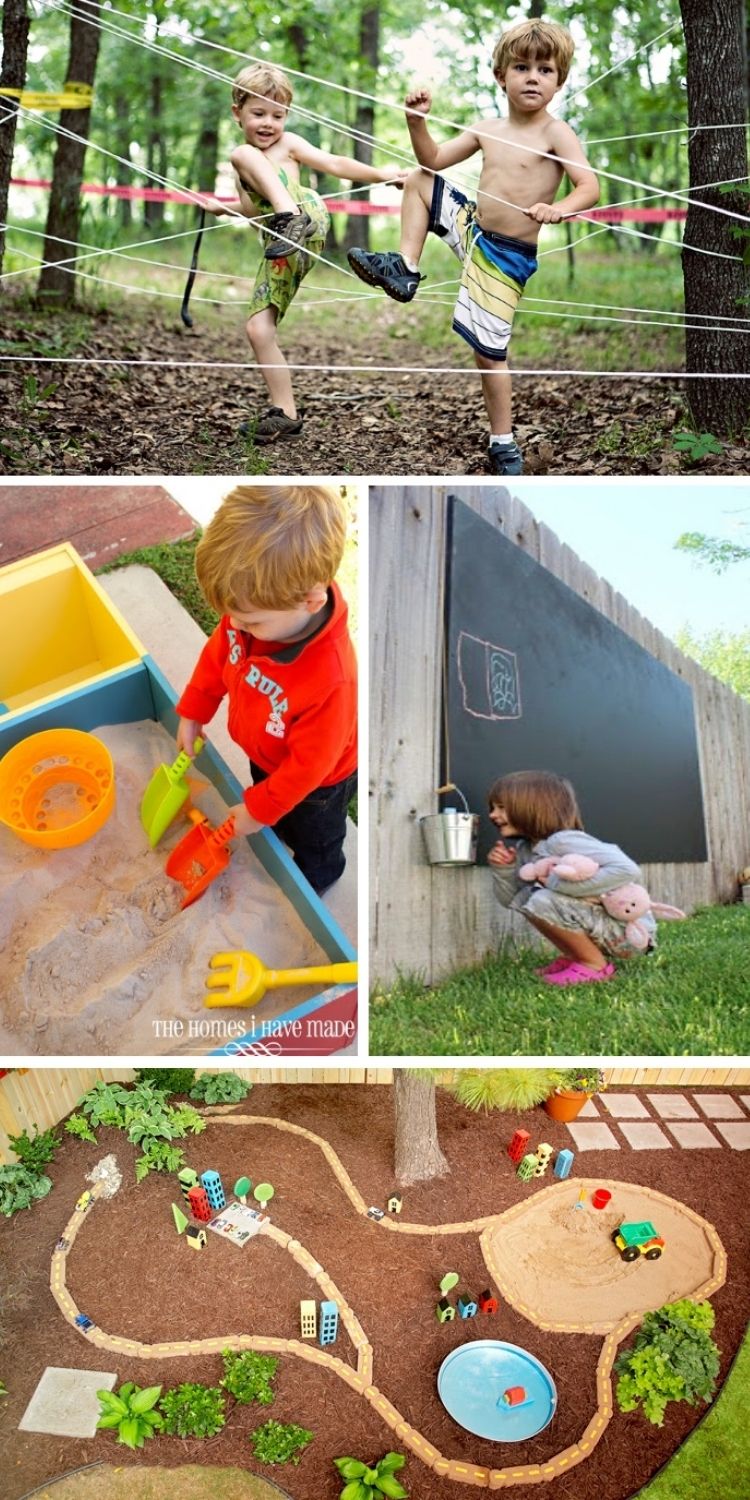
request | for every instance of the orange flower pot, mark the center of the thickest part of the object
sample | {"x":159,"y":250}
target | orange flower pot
{"x":566,"y":1104}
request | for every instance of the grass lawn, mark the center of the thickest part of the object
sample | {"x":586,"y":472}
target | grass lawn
{"x":690,"y":997}
{"x":715,"y":1460}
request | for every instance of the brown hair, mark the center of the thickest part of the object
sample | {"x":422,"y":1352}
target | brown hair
{"x":531,"y":41}
{"x":268,"y":545}
{"x":537,"y":803}
{"x":261,"y":81}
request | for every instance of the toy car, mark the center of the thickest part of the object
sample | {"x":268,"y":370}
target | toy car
{"x":633,"y":1240}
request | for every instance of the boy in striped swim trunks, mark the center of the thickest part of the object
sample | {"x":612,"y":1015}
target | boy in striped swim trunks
{"x":524,"y":159}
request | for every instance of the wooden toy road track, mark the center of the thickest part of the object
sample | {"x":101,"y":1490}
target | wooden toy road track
{"x":360,"y":1379}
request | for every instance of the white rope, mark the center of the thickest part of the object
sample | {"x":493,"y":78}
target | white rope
{"x":203,"y":364}
{"x":645,"y":48}
{"x":640,"y":135}
{"x":390,"y":104}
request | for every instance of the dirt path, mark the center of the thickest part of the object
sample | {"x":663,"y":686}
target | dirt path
{"x":103,"y":1482}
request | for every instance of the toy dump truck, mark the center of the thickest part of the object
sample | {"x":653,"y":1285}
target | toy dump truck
{"x":633,"y":1240}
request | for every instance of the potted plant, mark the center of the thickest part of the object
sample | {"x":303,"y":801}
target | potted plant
{"x":576,"y":1085}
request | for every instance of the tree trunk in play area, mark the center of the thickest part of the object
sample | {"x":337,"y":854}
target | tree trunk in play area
{"x":418,"y":1155}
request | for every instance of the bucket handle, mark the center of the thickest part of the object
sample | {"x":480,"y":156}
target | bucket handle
{"x":450,"y":786}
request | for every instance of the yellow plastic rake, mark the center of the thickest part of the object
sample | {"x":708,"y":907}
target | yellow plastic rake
{"x":241,"y":978}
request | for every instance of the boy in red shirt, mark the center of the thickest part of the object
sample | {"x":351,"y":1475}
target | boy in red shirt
{"x":283,"y":653}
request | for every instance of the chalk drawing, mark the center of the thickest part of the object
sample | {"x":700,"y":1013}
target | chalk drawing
{"x":489,"y":678}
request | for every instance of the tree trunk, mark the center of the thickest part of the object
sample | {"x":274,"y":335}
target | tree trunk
{"x":714,"y":36}
{"x":124,"y":211}
{"x":358,"y":225}
{"x":156,"y":154}
{"x":57,"y":287}
{"x":418,"y":1156}
{"x":13,"y":76}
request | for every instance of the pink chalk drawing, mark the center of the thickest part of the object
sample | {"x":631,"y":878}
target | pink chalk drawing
{"x":489,"y":679}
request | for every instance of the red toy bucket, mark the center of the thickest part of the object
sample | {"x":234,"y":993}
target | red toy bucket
{"x":601,"y":1198}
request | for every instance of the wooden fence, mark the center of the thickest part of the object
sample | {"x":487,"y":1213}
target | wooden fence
{"x":432,"y":920}
{"x":34,"y":1099}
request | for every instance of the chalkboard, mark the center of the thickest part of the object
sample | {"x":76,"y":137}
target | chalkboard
{"x":539,"y":680}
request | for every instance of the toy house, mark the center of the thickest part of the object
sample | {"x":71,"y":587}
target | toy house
{"x":212,"y":1183}
{"x":395,"y":1203}
{"x":187,"y":1179}
{"x":445,"y":1311}
{"x":518,"y":1144}
{"x":196,"y":1238}
{"x":308,"y":1319}
{"x":199,"y":1204}
{"x":488,"y":1303}
{"x":563,"y":1163}
{"x":467,"y":1307}
{"x":329,"y":1322}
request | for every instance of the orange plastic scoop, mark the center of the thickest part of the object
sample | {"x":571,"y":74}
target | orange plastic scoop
{"x":200,"y":856}
{"x":241,"y":978}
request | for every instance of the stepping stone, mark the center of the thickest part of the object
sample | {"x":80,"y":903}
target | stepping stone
{"x":719,"y":1106}
{"x":693,"y":1134}
{"x":672,"y":1106}
{"x":745,"y":1100}
{"x":736,"y":1133}
{"x":589,"y":1111}
{"x":592,"y":1137}
{"x":625,"y":1106}
{"x":644,"y":1135}
{"x":65,"y":1402}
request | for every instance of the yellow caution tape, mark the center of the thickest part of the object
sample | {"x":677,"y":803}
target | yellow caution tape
{"x":72,"y":96}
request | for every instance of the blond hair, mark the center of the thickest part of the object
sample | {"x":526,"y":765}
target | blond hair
{"x":268,"y":545}
{"x":261,"y":81}
{"x":532,"y":41}
{"x":537,"y":803}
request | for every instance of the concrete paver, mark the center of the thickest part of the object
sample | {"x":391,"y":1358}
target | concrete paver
{"x":736,"y":1133}
{"x":645,"y":1135}
{"x":624,"y":1106}
{"x":593,"y":1137}
{"x":589,"y":1111}
{"x":65,"y":1402}
{"x":719,"y":1106}
{"x":672,"y":1106}
{"x":693,"y":1134}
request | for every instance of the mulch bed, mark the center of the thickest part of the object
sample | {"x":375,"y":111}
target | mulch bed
{"x":118,"y":420}
{"x":130,"y":1273}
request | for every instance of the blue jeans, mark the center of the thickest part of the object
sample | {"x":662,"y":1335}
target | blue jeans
{"x":316,"y":828}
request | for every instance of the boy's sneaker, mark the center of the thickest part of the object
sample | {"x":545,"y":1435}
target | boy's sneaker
{"x":388,"y":270}
{"x":290,"y":233}
{"x":273,"y":424}
{"x":505,"y":458}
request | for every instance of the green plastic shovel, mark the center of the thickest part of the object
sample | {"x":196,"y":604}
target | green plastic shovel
{"x":166,"y":794}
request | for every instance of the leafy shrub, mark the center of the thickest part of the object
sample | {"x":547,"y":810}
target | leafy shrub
{"x":167,"y":1080}
{"x":35,"y":1151}
{"x":279,"y":1442}
{"x":366,"y":1483}
{"x":104,"y":1103}
{"x":131,"y":1412}
{"x":19,"y":1188}
{"x":220,"y":1088}
{"x":673,"y":1358}
{"x":79,"y":1125}
{"x":159,"y":1156}
{"x":147,"y":1118}
{"x":193,"y":1410}
{"x":249,"y":1376}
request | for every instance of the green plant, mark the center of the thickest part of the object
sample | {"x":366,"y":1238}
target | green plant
{"x":35,"y":395}
{"x":131,"y":1411}
{"x":220,"y":1088}
{"x":193,"y":1410}
{"x":35,"y":1151}
{"x":364,"y":1483}
{"x":673,"y":1358}
{"x":503,"y":1088}
{"x":167,"y":1080}
{"x":697,"y":445}
{"x":19,"y":1188}
{"x":159,"y":1156}
{"x":104,"y":1103}
{"x":3,"y":1389}
{"x":249,"y":1376}
{"x":79,"y":1125}
{"x":279,"y":1442}
{"x":582,"y":1080}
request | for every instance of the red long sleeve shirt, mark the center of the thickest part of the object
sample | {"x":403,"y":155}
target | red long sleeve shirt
{"x":292,"y":706}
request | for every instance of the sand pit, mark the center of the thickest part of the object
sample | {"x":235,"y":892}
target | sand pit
{"x":97,"y":956}
{"x":558,"y":1266}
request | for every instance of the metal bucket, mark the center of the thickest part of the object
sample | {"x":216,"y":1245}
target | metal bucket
{"x":451,"y":837}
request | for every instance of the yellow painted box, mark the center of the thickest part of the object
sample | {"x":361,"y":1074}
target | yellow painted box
{"x":58,"y":630}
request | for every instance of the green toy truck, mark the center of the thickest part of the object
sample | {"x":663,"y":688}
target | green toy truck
{"x":633,"y":1240}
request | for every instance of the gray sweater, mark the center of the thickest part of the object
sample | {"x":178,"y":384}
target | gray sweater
{"x":615,"y":868}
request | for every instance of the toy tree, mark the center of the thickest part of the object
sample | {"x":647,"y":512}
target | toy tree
{"x":263,"y":1193}
{"x":241,"y":1188}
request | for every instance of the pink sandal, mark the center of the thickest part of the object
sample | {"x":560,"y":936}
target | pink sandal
{"x":574,"y":973}
{"x":556,"y":967}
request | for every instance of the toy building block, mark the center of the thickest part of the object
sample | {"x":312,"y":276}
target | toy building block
{"x":514,"y":1396}
{"x":467,"y":1307}
{"x":180,"y":1222}
{"x":187,"y":1179}
{"x":199,"y":1204}
{"x":211,"y":1181}
{"x":241,"y":1188}
{"x":196,"y":1238}
{"x":526,"y":1168}
{"x":85,"y":1201}
{"x":375,"y":1213}
{"x":543,"y":1154}
{"x":445,"y":1310}
{"x":563,"y":1163}
{"x":329,"y":1322}
{"x":518,"y":1144}
{"x":395,"y":1203}
{"x":448,"y":1282}
{"x":308,"y":1319}
{"x":488,"y":1303}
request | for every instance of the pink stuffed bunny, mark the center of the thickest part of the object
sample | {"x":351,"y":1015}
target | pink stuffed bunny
{"x":628,"y":903}
{"x":571,"y":867}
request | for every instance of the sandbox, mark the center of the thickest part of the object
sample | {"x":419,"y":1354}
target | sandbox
{"x":97,"y":954}
{"x":557,"y":1264}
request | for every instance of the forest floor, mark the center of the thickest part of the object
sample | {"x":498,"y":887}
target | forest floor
{"x":128,"y":1272}
{"x":184,"y":419}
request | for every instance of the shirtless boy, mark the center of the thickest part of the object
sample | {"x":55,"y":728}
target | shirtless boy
{"x":524,"y":159}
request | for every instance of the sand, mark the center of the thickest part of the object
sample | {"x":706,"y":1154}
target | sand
{"x":558,"y":1264}
{"x":96,"y":956}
